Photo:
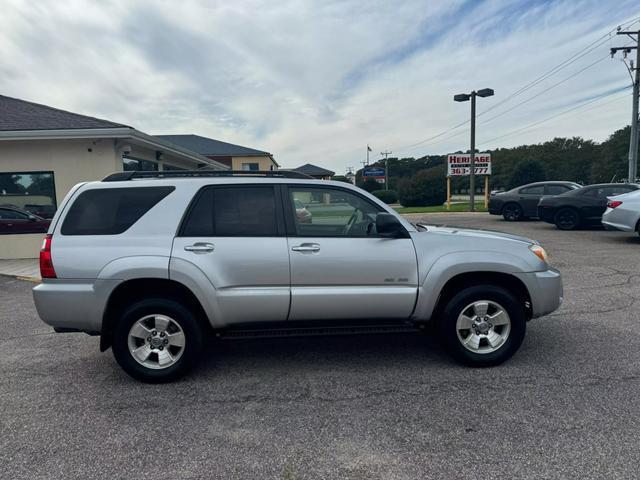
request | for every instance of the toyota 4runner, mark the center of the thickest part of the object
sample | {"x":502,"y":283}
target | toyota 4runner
{"x":154,"y":261}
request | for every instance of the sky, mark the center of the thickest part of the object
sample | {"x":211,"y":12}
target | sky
{"x":316,"y":81}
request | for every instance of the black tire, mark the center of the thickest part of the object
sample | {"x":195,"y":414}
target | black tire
{"x":512,"y":212}
{"x":567,"y":219}
{"x":459,"y":304}
{"x":183,"y":318}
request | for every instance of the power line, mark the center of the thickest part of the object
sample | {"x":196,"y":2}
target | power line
{"x":575,"y":57}
{"x":534,"y":124}
{"x":545,"y":90}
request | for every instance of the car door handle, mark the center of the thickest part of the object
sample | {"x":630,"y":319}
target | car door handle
{"x":306,"y":247}
{"x":200,"y":247}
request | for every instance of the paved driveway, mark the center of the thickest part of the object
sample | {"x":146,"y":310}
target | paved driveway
{"x":566,"y":406}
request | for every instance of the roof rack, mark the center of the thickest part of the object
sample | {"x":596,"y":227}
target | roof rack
{"x":124,"y":176}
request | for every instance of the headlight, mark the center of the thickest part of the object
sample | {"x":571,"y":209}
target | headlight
{"x":539,"y":252}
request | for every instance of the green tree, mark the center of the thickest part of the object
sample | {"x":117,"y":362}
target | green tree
{"x":613,"y":162}
{"x":527,"y":171}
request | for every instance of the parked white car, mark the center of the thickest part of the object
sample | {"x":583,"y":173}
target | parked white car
{"x":623,"y":212}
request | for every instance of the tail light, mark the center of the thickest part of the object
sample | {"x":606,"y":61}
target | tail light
{"x":46,"y":264}
{"x":614,"y":203}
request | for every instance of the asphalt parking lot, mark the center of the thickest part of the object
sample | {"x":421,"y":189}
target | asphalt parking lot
{"x":369,"y":407}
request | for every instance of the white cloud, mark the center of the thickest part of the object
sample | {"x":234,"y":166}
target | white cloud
{"x":315,"y":81}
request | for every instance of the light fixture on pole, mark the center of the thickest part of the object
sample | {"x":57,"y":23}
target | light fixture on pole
{"x":464,"y":97}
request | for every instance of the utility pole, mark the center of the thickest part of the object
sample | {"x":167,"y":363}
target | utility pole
{"x":386,"y":168}
{"x":633,"y":141}
{"x":463,"y":97}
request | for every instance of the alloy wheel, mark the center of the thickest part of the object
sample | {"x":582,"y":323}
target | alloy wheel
{"x":483,"y":326}
{"x":156,"y":341}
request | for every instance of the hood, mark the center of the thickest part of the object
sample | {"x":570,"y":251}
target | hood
{"x":479,"y":234}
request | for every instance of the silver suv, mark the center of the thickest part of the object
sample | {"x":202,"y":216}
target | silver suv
{"x":154,"y":261}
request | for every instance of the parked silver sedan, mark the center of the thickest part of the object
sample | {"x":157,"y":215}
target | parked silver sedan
{"x":623,"y":212}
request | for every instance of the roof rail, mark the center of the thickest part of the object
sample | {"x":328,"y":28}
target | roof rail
{"x":124,"y":176}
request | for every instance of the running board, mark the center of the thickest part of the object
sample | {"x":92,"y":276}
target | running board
{"x":315,"y":331}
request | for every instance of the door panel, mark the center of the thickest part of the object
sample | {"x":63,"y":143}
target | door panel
{"x":353,"y":278}
{"x":340,"y":267}
{"x":529,"y":199}
{"x":250,"y":275}
{"x":235,"y":236}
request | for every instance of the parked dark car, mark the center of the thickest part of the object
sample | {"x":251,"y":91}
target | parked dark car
{"x":581,"y":207}
{"x":14,"y":220}
{"x":522,"y":202}
{"x":44,"y":211}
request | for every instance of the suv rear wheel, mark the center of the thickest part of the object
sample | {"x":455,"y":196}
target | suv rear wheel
{"x":483,"y":326}
{"x":157,"y":340}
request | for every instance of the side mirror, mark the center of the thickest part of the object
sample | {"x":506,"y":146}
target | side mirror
{"x":32,"y":218}
{"x":388,"y":226}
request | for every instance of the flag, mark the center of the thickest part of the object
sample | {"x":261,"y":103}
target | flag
{"x":369,"y":148}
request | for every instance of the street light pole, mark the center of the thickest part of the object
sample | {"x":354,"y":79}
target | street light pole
{"x":635,"y":98}
{"x":464,"y":97}
{"x":472,"y":158}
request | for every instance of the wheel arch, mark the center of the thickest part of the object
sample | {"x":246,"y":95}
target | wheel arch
{"x":137,"y":289}
{"x":509,"y":282}
{"x":568,"y":207}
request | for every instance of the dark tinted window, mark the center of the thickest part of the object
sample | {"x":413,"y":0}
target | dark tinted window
{"x":33,"y":192}
{"x":589,"y":192}
{"x":6,"y":214}
{"x":233,"y":212}
{"x":110,"y":211}
{"x":617,"y":190}
{"x":537,"y":190}
{"x":557,"y":189}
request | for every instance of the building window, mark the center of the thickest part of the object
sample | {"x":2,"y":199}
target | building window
{"x":33,"y":194}
{"x":252,"y":167}
{"x":166,"y":166}
{"x":135,"y":164}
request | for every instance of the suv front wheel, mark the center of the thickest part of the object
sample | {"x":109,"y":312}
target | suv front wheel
{"x":483,"y":326}
{"x":157,"y":340}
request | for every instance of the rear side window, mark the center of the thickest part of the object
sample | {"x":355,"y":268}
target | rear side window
{"x":233,"y":212}
{"x":111,"y":211}
{"x":537,"y":190}
{"x":557,"y":189}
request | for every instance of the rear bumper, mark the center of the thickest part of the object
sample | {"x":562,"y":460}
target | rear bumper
{"x":614,"y":219}
{"x":72,"y":306}
{"x":545,"y":290}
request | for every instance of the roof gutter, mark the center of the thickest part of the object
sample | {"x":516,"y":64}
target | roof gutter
{"x":117,"y":132}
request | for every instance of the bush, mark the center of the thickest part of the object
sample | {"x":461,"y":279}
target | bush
{"x":369,"y":185}
{"x":426,"y":188}
{"x":387,"y":196}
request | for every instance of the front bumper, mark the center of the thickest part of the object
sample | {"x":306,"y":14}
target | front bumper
{"x":545,"y":290}
{"x":546,"y":214}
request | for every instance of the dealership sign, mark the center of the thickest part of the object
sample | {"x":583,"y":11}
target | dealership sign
{"x":458,"y":164}
{"x":374,"y":173}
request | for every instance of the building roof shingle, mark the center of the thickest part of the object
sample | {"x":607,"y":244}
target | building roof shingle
{"x":16,"y":114}
{"x":211,"y":147}
{"x":314,"y":170}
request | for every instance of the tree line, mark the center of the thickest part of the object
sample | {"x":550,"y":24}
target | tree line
{"x":421,"y":181}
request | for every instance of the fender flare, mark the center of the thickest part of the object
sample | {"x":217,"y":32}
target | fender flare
{"x":452,"y":264}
